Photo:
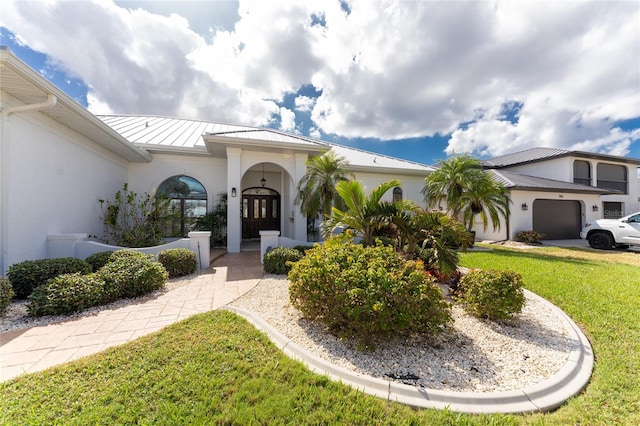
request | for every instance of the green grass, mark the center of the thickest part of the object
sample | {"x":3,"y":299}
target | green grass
{"x":215,"y":368}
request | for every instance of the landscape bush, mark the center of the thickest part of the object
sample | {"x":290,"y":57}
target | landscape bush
{"x":178,"y":262}
{"x":66,"y":294}
{"x":366,"y":292}
{"x":131,"y":274}
{"x":530,"y":237}
{"x":303,"y":249}
{"x":98,"y":260}
{"x":276,"y":260}
{"x":491,"y":294}
{"x":6,"y":294}
{"x":30,"y":274}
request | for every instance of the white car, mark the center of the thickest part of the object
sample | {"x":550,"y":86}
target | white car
{"x":606,"y":234}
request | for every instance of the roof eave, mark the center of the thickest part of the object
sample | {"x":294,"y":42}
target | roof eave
{"x":163,"y":149}
{"x":566,"y":190}
{"x":389,"y":170}
{"x":124,"y":148}
{"x":258,"y":143}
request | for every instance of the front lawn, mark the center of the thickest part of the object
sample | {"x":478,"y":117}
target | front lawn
{"x":216,"y":368}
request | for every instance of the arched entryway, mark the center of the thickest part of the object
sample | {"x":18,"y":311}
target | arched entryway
{"x":260,"y":211}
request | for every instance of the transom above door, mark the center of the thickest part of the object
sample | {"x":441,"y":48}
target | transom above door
{"x":260,"y":211}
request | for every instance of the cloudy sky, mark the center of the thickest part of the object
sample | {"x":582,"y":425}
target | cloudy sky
{"x":417,"y":79}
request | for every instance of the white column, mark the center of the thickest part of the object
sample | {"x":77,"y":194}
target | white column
{"x":268,"y":240}
{"x":234,"y":180}
{"x":199,"y":243}
{"x":300,"y":221}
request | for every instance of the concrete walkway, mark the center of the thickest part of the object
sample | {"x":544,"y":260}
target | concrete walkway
{"x":38,"y":348}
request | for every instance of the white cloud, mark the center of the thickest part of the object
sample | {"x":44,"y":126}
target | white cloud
{"x":287,"y":120}
{"x":387,"y":69}
{"x":304,"y":103}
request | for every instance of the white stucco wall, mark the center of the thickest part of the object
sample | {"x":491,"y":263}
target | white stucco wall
{"x":562,"y":169}
{"x":557,"y":169}
{"x":210,"y":172}
{"x":523,"y":220}
{"x":411,"y":185}
{"x":54,"y":178}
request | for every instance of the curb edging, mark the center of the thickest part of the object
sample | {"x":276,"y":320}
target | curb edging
{"x":544,"y":396}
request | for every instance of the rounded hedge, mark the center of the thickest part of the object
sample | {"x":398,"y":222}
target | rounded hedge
{"x":178,"y":262}
{"x":366,"y":292}
{"x":128,"y":275}
{"x":6,"y":294}
{"x":99,"y":259}
{"x":491,"y":294}
{"x":276,"y":261}
{"x":30,"y":274}
{"x":66,"y":294}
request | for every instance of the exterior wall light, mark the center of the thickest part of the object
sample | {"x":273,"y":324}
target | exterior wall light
{"x":525,"y":207}
{"x":594,"y":208}
{"x":233,"y":192}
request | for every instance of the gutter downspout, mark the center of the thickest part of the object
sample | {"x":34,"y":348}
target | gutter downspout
{"x":51,"y":101}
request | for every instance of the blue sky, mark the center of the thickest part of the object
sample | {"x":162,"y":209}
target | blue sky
{"x":416,"y":80}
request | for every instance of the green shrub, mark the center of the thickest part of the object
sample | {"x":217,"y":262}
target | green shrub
{"x":366,"y":292}
{"x":275,"y":261}
{"x":6,"y":294}
{"x":66,"y":294}
{"x":30,"y":274}
{"x":131,"y":275}
{"x":178,"y":262}
{"x":530,"y":237}
{"x":491,"y":294}
{"x":303,"y":249}
{"x":98,"y":260}
{"x":127,"y":254}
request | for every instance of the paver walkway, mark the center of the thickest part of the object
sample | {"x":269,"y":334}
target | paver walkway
{"x":38,"y":348}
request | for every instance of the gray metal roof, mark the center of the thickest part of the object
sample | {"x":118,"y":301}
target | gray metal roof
{"x":532,"y":183}
{"x":540,"y":154}
{"x":168,"y":134}
{"x":527,"y":156}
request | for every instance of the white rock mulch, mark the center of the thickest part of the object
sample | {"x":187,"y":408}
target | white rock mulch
{"x":473,"y":355}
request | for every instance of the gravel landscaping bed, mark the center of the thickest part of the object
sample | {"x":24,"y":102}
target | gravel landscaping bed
{"x":472,"y":355}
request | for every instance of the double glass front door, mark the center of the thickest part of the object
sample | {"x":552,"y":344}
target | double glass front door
{"x":260,"y":211}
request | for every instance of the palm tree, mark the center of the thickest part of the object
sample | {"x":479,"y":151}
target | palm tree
{"x":454,"y":177}
{"x":366,"y":215}
{"x":317,"y":188}
{"x":468,"y":190}
{"x":487,"y":198}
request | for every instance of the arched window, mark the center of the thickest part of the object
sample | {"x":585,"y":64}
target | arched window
{"x":582,"y":172}
{"x":613,"y":176}
{"x":397,"y":194}
{"x":188,"y":203}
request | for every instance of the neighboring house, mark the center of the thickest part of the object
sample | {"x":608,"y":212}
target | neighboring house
{"x":57,"y":160}
{"x":556,"y":191}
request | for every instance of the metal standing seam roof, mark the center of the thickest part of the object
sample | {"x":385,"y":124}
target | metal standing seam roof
{"x":164,"y":132}
{"x":540,"y":154}
{"x":532,"y":183}
{"x":527,"y":156}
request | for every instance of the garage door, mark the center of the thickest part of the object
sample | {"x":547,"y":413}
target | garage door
{"x":557,"y":219}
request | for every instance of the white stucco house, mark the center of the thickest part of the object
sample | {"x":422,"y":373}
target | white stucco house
{"x":556,"y":191}
{"x":57,"y":160}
